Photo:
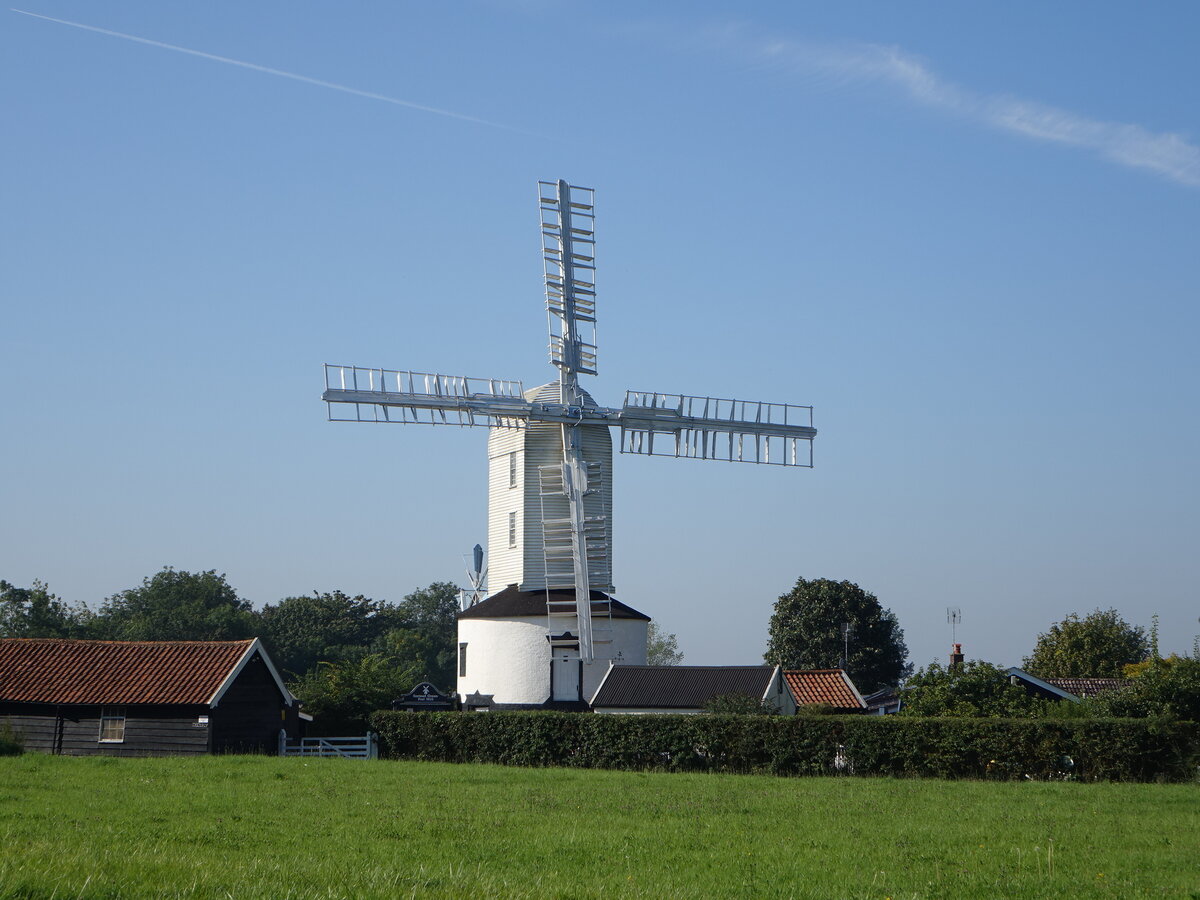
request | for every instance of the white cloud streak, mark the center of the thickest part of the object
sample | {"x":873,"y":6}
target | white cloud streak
{"x":267,"y":70}
{"x":1163,"y":153}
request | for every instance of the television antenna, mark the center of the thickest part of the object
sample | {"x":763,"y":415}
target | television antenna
{"x":576,"y":547}
{"x":953,"y":618}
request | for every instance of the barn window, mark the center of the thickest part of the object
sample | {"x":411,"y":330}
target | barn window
{"x":512,"y":529}
{"x":112,"y":724}
{"x":462,"y":660}
{"x":512,"y":469}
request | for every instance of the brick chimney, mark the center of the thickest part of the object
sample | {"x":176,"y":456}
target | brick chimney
{"x":956,"y":658}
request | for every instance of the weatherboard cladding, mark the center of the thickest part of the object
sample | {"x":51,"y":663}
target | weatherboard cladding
{"x":679,"y":687}
{"x":513,"y":602}
{"x":537,"y":446}
{"x":830,"y":687}
{"x":48,"y":670}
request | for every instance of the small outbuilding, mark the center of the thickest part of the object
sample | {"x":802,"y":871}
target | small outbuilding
{"x":828,"y":688}
{"x":687,"y":689}
{"x":1072,"y":689}
{"x":144,"y":698}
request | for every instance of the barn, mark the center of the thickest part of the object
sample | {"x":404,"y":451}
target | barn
{"x":143,"y":698}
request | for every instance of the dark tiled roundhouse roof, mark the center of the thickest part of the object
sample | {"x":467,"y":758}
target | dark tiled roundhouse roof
{"x":48,"y":670}
{"x":679,"y":687}
{"x":511,"y":602}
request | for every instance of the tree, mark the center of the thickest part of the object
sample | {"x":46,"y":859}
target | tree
{"x":1097,"y":646}
{"x":34,"y":612}
{"x":342,"y":696}
{"x":662,"y":649}
{"x":301,"y":632}
{"x":806,"y":633}
{"x":430,"y":616}
{"x":177,"y":606}
{"x":1164,"y":688}
{"x":974,"y":689}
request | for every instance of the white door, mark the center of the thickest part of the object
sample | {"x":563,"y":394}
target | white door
{"x":564,"y":678}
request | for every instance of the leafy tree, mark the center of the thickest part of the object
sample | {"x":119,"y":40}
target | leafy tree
{"x":34,"y":612}
{"x":1098,"y":646}
{"x":177,"y":606}
{"x":429,"y":636}
{"x":806,"y":633}
{"x":974,"y":689}
{"x":301,"y":632}
{"x":1165,"y":688}
{"x":341,"y":696}
{"x":662,"y":648}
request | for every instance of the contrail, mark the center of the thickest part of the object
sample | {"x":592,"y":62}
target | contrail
{"x":333,"y":86}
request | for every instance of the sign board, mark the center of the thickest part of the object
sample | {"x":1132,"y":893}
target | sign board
{"x":424,"y":697}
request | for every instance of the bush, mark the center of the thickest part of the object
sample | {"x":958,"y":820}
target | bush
{"x":1093,"y":750}
{"x":11,"y":743}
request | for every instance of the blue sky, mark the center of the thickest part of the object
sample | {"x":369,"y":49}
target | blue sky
{"x":966,"y":235}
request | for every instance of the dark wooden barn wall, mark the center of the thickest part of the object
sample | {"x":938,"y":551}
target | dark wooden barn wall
{"x":149,"y":730}
{"x":248,"y":718}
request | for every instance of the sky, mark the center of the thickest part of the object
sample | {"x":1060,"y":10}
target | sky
{"x":966,"y":234}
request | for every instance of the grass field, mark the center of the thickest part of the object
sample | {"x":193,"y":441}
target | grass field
{"x":267,"y":827}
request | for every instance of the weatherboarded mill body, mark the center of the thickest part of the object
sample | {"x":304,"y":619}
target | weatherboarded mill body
{"x":550,"y":628}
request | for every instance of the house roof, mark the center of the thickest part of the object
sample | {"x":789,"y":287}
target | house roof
{"x":1088,"y":687}
{"x":679,"y":687}
{"x":831,"y":687}
{"x":511,"y":602}
{"x":49,"y":670}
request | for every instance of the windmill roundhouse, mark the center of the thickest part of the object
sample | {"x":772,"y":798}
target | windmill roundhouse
{"x":551,"y":631}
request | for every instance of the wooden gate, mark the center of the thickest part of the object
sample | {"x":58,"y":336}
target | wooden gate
{"x":366,"y":747}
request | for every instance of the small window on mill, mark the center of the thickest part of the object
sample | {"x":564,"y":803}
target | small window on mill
{"x":512,"y":529}
{"x":512,"y":469}
{"x":462,"y":660}
{"x":112,"y":724}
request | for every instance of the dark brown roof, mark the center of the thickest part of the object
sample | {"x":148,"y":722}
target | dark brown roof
{"x":1088,"y":687}
{"x":831,"y":687}
{"x":679,"y":687}
{"x":511,"y":602}
{"x":48,"y":670}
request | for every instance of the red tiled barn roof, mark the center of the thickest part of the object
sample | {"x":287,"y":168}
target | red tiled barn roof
{"x":829,"y":686}
{"x":48,"y":670}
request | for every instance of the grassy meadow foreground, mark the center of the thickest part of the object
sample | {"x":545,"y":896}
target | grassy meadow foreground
{"x":269,"y":827}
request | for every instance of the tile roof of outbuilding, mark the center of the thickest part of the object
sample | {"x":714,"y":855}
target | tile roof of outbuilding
{"x":1088,"y":687}
{"x":831,"y":687}
{"x":679,"y":687}
{"x":49,"y":670}
{"x":511,"y":602}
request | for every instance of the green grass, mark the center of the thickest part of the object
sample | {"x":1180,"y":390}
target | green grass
{"x":267,"y":827}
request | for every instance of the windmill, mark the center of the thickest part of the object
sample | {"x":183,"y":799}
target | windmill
{"x":566,"y":509}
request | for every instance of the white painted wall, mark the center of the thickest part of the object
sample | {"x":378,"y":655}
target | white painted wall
{"x":510,"y":657}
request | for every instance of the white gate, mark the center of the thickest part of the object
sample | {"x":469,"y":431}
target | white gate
{"x":366,"y":747}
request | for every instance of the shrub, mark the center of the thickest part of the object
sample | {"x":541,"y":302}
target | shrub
{"x":11,"y":743}
{"x":1094,"y":750}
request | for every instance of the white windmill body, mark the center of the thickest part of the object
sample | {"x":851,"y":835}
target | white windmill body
{"x":549,"y":629}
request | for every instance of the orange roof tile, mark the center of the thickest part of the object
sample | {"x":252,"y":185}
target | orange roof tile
{"x":829,"y":686}
{"x":49,"y":670}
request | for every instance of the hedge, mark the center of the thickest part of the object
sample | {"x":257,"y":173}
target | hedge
{"x":1083,"y":749}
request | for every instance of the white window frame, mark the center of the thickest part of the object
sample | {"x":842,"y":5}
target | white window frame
{"x":512,"y":469}
{"x":109,"y":715}
{"x":512,"y":529}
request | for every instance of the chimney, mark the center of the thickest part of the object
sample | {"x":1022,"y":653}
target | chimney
{"x":956,"y":658}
